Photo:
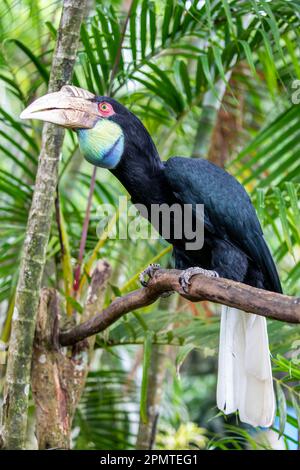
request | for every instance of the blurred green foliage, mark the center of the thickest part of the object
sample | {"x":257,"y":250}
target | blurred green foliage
{"x":173,"y":53}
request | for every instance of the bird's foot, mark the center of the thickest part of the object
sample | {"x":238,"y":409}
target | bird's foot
{"x":185,"y":277}
{"x":149,"y":271}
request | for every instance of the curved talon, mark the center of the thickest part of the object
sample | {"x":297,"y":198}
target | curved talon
{"x":149,"y":271}
{"x":185,"y":277}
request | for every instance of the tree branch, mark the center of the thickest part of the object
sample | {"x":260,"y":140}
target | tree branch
{"x":219,"y":290}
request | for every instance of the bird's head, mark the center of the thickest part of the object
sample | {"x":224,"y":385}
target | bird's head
{"x":105,"y":128}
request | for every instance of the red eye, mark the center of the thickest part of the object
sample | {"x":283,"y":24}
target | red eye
{"x":105,"y":109}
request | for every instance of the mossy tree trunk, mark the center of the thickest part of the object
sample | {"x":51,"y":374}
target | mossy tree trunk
{"x":17,"y":384}
{"x":58,"y":376}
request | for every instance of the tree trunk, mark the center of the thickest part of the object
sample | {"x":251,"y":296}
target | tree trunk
{"x":147,"y":431}
{"x":156,"y":375}
{"x":210,"y":108}
{"x":37,"y":234}
{"x":58,"y":378}
{"x":228,"y":130}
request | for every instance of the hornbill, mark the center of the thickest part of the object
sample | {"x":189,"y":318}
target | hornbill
{"x":110,"y":136}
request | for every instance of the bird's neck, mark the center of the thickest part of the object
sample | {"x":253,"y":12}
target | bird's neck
{"x":141,"y":173}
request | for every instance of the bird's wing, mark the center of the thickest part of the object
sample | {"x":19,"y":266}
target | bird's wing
{"x":229,"y":213}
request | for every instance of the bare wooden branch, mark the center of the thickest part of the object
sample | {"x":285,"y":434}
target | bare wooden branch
{"x":218,"y":290}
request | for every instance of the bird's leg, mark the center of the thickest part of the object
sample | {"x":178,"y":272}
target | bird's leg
{"x":185,"y":277}
{"x":149,"y":271}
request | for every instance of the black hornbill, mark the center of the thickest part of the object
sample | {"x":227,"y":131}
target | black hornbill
{"x":112,"y":137}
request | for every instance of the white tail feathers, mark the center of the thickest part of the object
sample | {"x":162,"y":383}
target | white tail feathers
{"x":245,"y":374}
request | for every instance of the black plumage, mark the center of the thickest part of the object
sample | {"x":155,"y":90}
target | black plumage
{"x":234,"y":245}
{"x":233,"y":242}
